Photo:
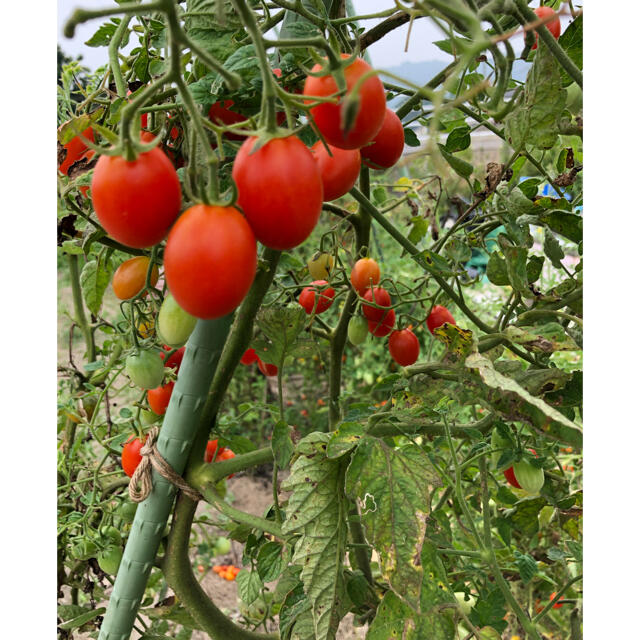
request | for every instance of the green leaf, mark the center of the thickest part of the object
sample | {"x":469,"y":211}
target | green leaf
{"x":72,"y":248}
{"x":281,"y":444}
{"x":78,"y":618}
{"x":489,"y":610}
{"x":497,"y":270}
{"x":281,"y":326}
{"x":552,"y":248}
{"x":458,"y":250}
{"x":270,"y":561}
{"x":296,"y":619}
{"x":435,"y":262}
{"x":379,"y":196}
{"x":461,"y":167}
{"x":496,"y":380}
{"x":94,"y":279}
{"x":576,"y":549}
{"x":393,"y":490}
{"x":249,"y":585}
{"x":141,"y":66}
{"x":529,"y":187}
{"x":571,"y":42}
{"x":459,"y":139}
{"x":527,"y":566}
{"x":534,"y":268}
{"x":566,"y":224}
{"x":505,"y":496}
{"x":516,"y":262}
{"x":344,"y":438}
{"x":524,"y":517}
{"x":102,"y":37}
{"x":546,"y":338}
{"x":410,"y":138}
{"x":535,"y":120}
{"x":418,"y":230}
{"x":317,"y":510}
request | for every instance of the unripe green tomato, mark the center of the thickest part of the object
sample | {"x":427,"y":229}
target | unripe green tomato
{"x":89,"y":403}
{"x":112,"y":534}
{"x":489,"y":633}
{"x":358,"y":330}
{"x":148,"y":417}
{"x":109,"y":560}
{"x":145,"y":368}
{"x":530,"y":478}
{"x":320,"y":266}
{"x":288,"y":361}
{"x":127,"y":511}
{"x":84,"y":549}
{"x":175,"y":325}
{"x":497,"y":442}
{"x":222,"y":546}
{"x":465,"y":605}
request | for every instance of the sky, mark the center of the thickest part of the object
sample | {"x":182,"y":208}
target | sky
{"x":388,"y":52}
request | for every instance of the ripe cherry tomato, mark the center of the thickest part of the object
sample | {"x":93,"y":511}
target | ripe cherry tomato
{"x":159,"y":397}
{"x":175,"y":359}
{"x":438,"y":316}
{"x":511,"y":478}
{"x":131,"y":457}
{"x":221,"y":453}
{"x":131,"y":275}
{"x":250,"y":356}
{"x":175,"y":325}
{"x":145,"y":369}
{"x":221,"y":114}
{"x":76,"y":149}
{"x":136,"y":202}
{"x":381,"y":297}
{"x":384,"y":325}
{"x":387,"y":146}
{"x":279,"y":190}
{"x":328,"y":116}
{"x":558,"y":604}
{"x":307,"y":298}
{"x":267,"y":369}
{"x":404,"y":347}
{"x":554,"y":26}
{"x":365,"y":274}
{"x":339,"y":171}
{"x":210,"y":260}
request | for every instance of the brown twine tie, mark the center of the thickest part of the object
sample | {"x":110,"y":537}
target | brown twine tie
{"x":142,"y":475}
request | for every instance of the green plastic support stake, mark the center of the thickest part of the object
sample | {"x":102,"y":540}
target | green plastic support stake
{"x":174,"y":442}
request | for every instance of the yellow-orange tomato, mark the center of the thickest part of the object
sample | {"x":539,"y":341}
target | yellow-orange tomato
{"x":365,"y":273}
{"x":130,"y":277}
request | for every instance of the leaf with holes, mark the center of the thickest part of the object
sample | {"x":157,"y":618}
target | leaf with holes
{"x":546,"y":338}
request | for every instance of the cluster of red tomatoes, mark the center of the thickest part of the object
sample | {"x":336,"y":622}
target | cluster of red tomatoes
{"x":250,"y":356}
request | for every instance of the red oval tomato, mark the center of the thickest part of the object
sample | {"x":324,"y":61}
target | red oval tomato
{"x":210,"y":260}
{"x":365,"y":274}
{"x":267,"y":369}
{"x":131,"y":457}
{"x":211,"y":450}
{"x":384,"y":325}
{"x":554,"y":26}
{"x":404,"y":347}
{"x":279,"y":190}
{"x":250,"y":356}
{"x":328,"y":115}
{"x":75,"y":148}
{"x":130,"y":277}
{"x":136,"y":202}
{"x":221,"y":114}
{"x":381,"y":297}
{"x":339,"y":171}
{"x":175,"y":359}
{"x":387,"y":146}
{"x":438,"y":316}
{"x":326,"y":294}
{"x":510,"y":475}
{"x":159,"y":397}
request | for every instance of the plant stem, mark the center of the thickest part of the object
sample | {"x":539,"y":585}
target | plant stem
{"x":78,"y":306}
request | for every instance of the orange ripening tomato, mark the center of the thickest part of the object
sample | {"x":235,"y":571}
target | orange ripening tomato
{"x":210,"y":260}
{"x":339,"y":171}
{"x":365,"y":274}
{"x":387,"y":146}
{"x":130,"y":277}
{"x":554,"y":26}
{"x":267,"y":369}
{"x":307,"y":298}
{"x":438,"y":316}
{"x":329,"y":116}
{"x":136,"y":202}
{"x":75,"y":149}
{"x":384,"y":325}
{"x":279,"y":190}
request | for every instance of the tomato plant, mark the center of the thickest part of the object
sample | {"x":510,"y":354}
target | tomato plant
{"x":329,"y":117}
{"x":136,"y":201}
{"x":279,"y":190}
{"x":339,"y":169}
{"x":210,"y":260}
{"x":130,"y":277}
{"x":386,"y":148}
